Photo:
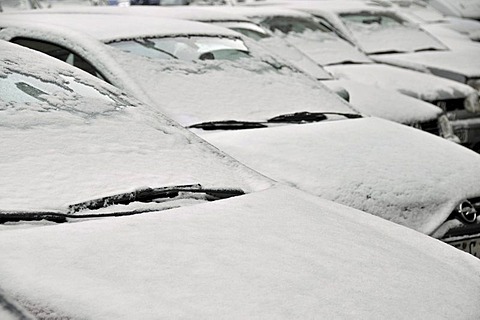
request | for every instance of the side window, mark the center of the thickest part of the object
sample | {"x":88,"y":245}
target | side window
{"x":60,"y":53}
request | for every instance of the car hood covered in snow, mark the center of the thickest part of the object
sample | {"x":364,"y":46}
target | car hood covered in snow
{"x":458,"y":65}
{"x":364,"y":163}
{"x":395,"y":106}
{"x":415,"y":84}
{"x":278,"y":253}
{"x":275,"y":252}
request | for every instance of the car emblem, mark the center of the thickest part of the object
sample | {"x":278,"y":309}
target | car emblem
{"x":467,"y":211}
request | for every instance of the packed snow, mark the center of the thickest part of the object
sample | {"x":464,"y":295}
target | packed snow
{"x":415,"y":84}
{"x":363,"y":163}
{"x":388,"y":103}
{"x":256,"y":89}
{"x":68,"y":147}
{"x":464,"y":63}
{"x":277,"y":254}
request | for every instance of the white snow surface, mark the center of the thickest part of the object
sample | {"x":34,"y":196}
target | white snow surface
{"x":196,"y":13}
{"x":116,"y":26}
{"x":77,"y":148}
{"x":244,"y":90}
{"x":390,"y":104}
{"x":464,"y":62}
{"x":462,"y":59}
{"x":182,"y":88}
{"x":364,"y":163}
{"x":376,"y":39}
{"x":268,"y":92}
{"x":412,"y":83}
{"x":326,"y":49}
{"x":277,"y":253}
{"x":293,"y":55}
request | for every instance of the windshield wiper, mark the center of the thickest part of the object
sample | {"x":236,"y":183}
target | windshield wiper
{"x":305,"y":116}
{"x":428,"y":49}
{"x":144,"y":195}
{"x":387,"y":52}
{"x":297,"y":117}
{"x":228,"y":125}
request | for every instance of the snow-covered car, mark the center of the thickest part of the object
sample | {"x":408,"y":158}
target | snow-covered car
{"x":388,"y":37}
{"x":435,"y":22}
{"x":367,"y":97}
{"x":458,"y":8}
{"x":404,"y":175}
{"x":67,"y":138}
{"x":57,"y":34}
{"x":356,"y":70}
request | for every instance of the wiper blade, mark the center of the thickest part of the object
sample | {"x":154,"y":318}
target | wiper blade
{"x":150,"y":194}
{"x":140,"y":195}
{"x":228,"y":125}
{"x":387,"y":52}
{"x":305,"y":116}
{"x":428,"y":49}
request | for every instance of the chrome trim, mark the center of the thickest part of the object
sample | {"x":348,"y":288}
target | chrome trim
{"x":466,"y":211}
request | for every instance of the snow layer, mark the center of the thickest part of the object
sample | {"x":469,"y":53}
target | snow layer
{"x":244,"y":90}
{"x":277,"y":254}
{"x":293,"y":55}
{"x":386,"y":103}
{"x":327,"y":49}
{"x":463,"y":62}
{"x":364,"y":164}
{"x":114,"y":27}
{"x":373,"y":39}
{"x":75,"y":148}
{"x":412,"y":83}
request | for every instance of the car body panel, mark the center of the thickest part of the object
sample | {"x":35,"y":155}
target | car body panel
{"x":89,"y":158}
{"x":415,"y":84}
{"x":394,"y":106}
{"x":313,"y":165}
{"x":373,"y":42}
{"x":241,"y":257}
{"x":224,"y":97}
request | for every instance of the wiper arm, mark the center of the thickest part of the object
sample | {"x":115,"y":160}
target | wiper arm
{"x":428,"y":49}
{"x":228,"y":125}
{"x":140,"y":195}
{"x":151,"y":194}
{"x":387,"y":52}
{"x":305,"y":116}
{"x":297,"y":117}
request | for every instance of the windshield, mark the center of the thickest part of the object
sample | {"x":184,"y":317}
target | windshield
{"x":186,"y":48}
{"x":248,"y":29}
{"x":31,"y":101}
{"x":315,"y":40}
{"x":386,"y":32}
{"x":288,"y":25}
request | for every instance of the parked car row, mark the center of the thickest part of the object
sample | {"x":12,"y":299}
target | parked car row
{"x":229,"y":161}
